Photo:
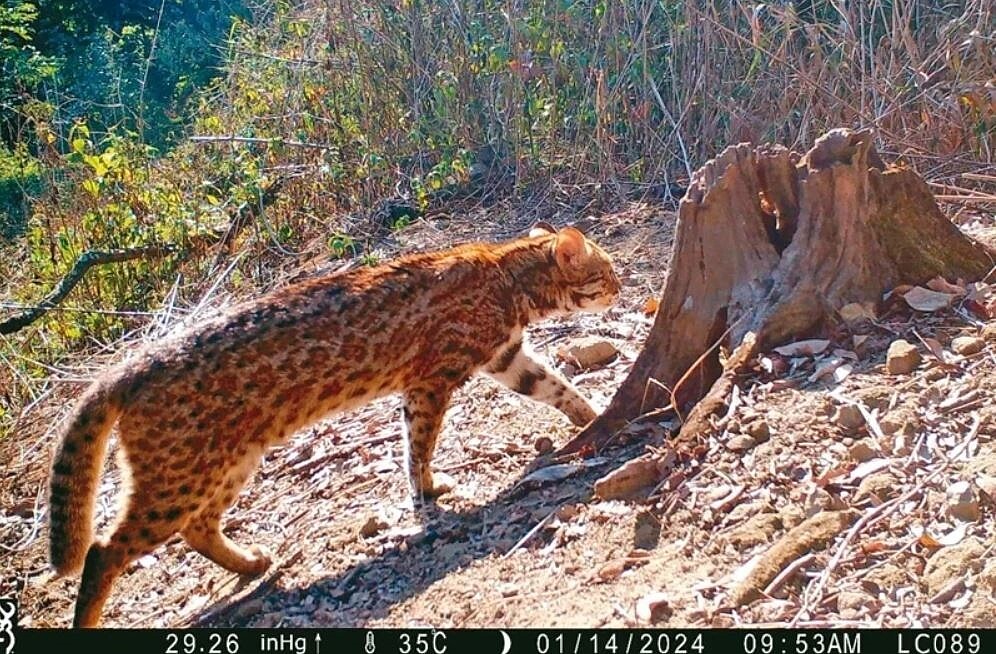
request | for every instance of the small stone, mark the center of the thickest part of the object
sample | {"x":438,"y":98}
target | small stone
{"x":952,"y":562}
{"x":372,"y":527}
{"x":589,"y":352}
{"x":902,"y":357}
{"x":508,"y":590}
{"x":568,"y":512}
{"x":759,"y":430}
{"x":901,"y":421}
{"x":740,"y":443}
{"x":989,"y":332}
{"x":853,"y":603}
{"x":817,"y":501}
{"x":962,"y":503}
{"x":611,"y":569}
{"x":967,"y":345}
{"x":849,"y":417}
{"x":883,"y":485}
{"x":987,"y":484}
{"x":863,"y":451}
{"x":987,"y":578}
{"x":544,"y":444}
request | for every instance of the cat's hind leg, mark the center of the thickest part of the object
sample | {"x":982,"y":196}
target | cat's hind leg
{"x":203,"y":531}
{"x":423,"y":417}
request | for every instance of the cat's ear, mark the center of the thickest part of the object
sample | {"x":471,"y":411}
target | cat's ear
{"x":542,"y":228}
{"x":570,"y":247}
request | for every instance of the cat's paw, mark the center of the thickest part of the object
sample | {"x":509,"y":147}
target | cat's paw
{"x":440,"y":484}
{"x":581,"y":414}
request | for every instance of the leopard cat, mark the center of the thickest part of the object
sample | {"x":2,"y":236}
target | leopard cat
{"x":196,"y":412}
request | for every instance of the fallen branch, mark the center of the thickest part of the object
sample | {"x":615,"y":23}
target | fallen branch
{"x":814,"y":533}
{"x":86,"y":261}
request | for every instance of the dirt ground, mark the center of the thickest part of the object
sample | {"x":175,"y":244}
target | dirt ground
{"x":911,"y":463}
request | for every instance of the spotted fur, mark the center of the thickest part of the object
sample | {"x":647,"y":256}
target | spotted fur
{"x":196,"y":413}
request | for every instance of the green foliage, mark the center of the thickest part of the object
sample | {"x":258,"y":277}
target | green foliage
{"x":354,"y":103}
{"x":20,"y":179}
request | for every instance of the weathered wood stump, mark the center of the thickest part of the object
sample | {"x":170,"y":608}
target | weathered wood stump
{"x":769,"y":245}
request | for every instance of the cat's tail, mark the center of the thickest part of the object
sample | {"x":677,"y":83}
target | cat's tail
{"x":76,"y":475}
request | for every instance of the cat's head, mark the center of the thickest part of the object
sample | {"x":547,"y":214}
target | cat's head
{"x":588,"y":280}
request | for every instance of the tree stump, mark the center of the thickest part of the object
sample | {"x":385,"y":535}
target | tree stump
{"x":769,"y":245}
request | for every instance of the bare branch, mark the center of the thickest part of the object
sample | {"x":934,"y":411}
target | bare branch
{"x":86,"y":261}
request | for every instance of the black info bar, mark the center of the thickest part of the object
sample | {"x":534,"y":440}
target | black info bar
{"x":502,"y":641}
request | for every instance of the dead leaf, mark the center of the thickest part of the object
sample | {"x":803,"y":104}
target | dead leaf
{"x":560,"y":471}
{"x":805,"y":348}
{"x":954,"y":536}
{"x":900,"y":290}
{"x":978,"y":309}
{"x":651,"y":608}
{"x":827,"y":477}
{"x":857,"y":311}
{"x":874,"y":546}
{"x":633,"y":476}
{"x":935,"y":348}
{"x":942,"y":285}
{"x":928,"y":301}
{"x":826,"y":368}
{"x":928,"y":541}
{"x":841,"y":373}
{"x":651,"y":305}
{"x":868,"y":467}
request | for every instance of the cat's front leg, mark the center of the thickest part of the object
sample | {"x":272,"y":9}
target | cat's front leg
{"x":515,"y":368}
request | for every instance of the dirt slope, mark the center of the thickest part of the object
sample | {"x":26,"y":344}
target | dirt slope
{"x":351,"y":550}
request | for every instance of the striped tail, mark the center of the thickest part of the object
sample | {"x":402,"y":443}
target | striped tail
{"x":76,"y":476}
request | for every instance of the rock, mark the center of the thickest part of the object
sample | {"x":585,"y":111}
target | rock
{"x":372,"y":526}
{"x":968,"y":345}
{"x":989,"y":331}
{"x":949,"y":563}
{"x":817,"y":501}
{"x":875,"y":397}
{"x":883,"y":485}
{"x":589,"y":352}
{"x":849,"y":417}
{"x":611,"y":569}
{"x":863,"y":450}
{"x":760,"y":529}
{"x":759,"y":430}
{"x":900,"y":421}
{"x":987,"y":578}
{"x":740,"y":443}
{"x":962,"y":503}
{"x":852,"y":603}
{"x":791,"y":515}
{"x":987,"y":484}
{"x":652,"y":608}
{"x":902,"y":357}
{"x":543,"y":444}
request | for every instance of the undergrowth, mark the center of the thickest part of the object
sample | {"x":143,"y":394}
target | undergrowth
{"x":348,"y":104}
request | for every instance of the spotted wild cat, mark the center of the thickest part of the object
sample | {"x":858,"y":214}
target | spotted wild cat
{"x":196,"y":413}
